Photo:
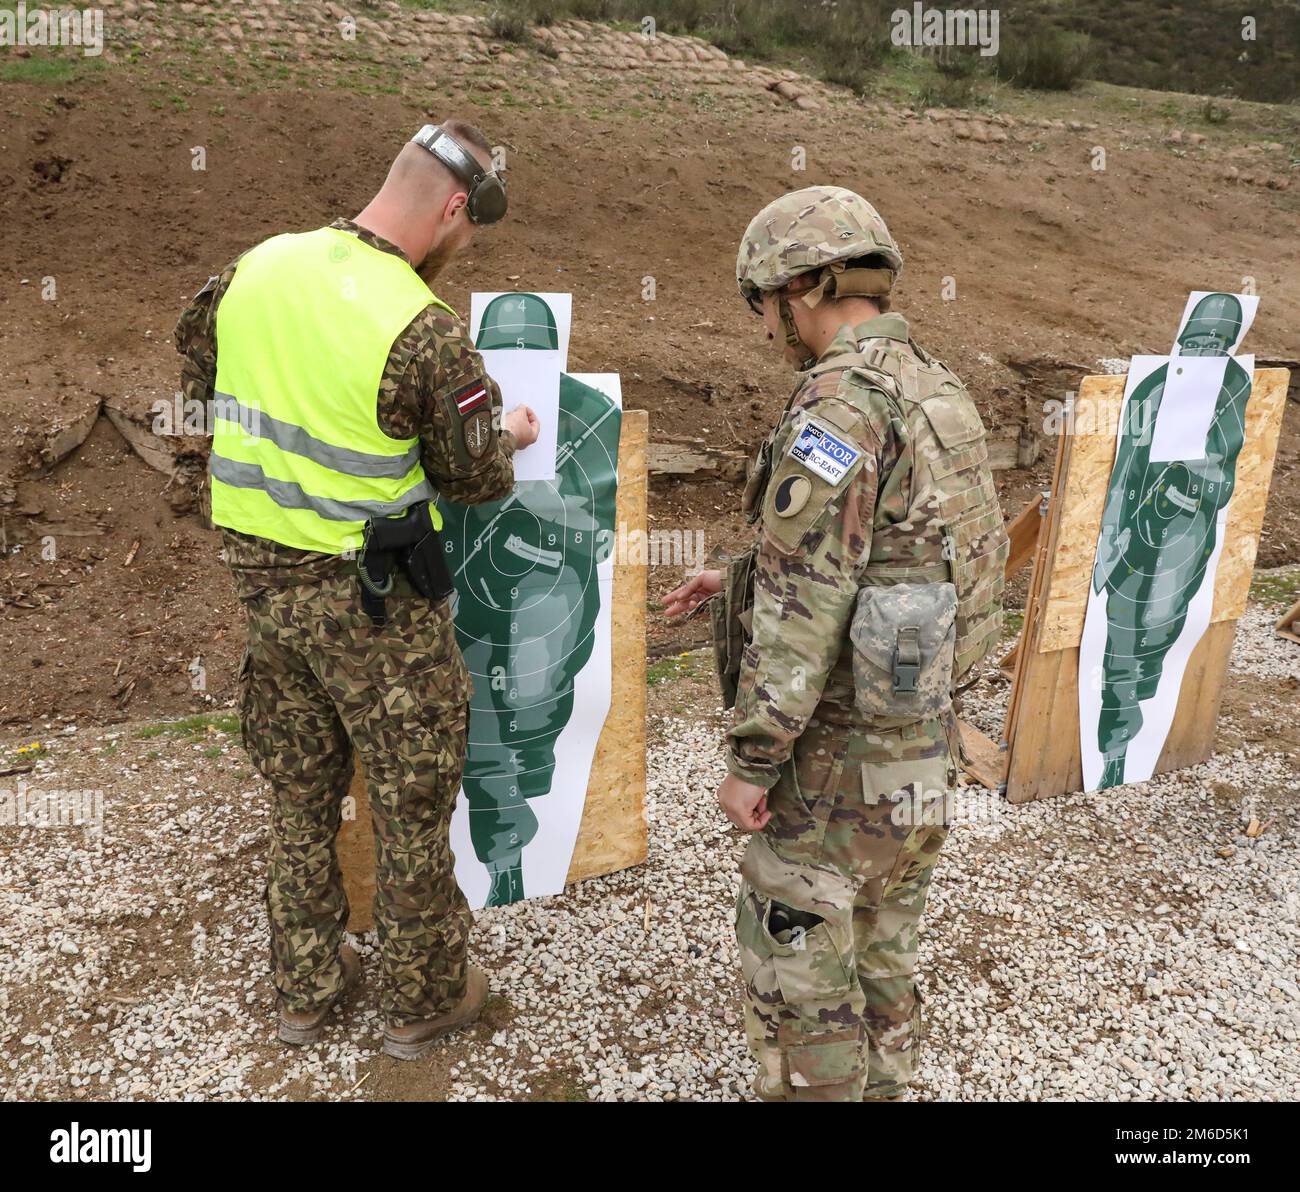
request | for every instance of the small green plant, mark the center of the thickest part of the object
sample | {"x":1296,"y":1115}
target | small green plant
{"x":193,"y":727}
{"x":1213,"y":112}
{"x":510,"y":24}
{"x":28,"y":753}
{"x":670,"y":667}
{"x":1045,"y":60}
{"x":955,"y":92}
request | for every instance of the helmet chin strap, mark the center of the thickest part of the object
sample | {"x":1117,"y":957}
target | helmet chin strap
{"x":835,"y":281}
{"x":792,"y":340}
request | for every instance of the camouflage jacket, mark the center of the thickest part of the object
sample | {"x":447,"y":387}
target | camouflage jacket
{"x":431,"y":360}
{"x":815,"y":540}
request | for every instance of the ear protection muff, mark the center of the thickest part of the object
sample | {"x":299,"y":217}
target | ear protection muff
{"x":486,"y":188}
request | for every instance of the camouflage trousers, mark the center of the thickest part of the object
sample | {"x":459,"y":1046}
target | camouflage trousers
{"x":321,"y":679}
{"x":829,"y":909}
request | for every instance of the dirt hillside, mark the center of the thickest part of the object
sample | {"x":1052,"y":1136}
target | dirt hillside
{"x":628,"y":160}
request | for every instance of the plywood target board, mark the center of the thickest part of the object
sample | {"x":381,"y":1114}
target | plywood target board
{"x":1040,"y":754}
{"x":1081,"y":501}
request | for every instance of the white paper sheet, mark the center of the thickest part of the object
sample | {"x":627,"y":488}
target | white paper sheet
{"x":529,"y":376}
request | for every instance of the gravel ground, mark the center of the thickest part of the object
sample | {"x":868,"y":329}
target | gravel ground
{"x":1128,"y":946}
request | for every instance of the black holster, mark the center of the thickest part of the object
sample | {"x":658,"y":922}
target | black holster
{"x":408,"y":541}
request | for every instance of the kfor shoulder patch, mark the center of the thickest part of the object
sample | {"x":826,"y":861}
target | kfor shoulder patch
{"x":823,"y":453}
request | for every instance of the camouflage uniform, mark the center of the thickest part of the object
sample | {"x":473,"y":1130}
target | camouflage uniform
{"x":320,"y":678}
{"x":858,"y":773}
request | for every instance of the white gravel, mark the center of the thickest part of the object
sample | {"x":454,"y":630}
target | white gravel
{"x":1131,"y":945}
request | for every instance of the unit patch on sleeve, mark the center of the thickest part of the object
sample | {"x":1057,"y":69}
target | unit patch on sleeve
{"x":477,"y":430}
{"x":822,"y":453}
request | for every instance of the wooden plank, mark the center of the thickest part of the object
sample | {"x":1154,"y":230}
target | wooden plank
{"x":1246,"y":508}
{"x":1191,"y":736}
{"x":1084,"y":497}
{"x":1031,"y":628}
{"x":1028,"y":728}
{"x":1023,"y":531}
{"x":355,"y":847}
{"x":1288,"y":625}
{"x":1011,"y":659}
{"x":694,"y":457}
{"x":612,"y":834}
{"x":1044,"y":753}
{"x":983,"y":760}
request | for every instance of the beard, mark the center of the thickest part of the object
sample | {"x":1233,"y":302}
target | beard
{"x":436,"y":259}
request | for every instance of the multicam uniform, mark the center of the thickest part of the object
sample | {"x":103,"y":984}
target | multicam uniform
{"x":876,"y":584}
{"x":320,"y":678}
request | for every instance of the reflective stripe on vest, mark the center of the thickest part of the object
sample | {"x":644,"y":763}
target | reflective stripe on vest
{"x":304,"y":333}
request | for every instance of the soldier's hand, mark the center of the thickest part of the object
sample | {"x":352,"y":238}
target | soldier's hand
{"x":744,"y":803}
{"x":692,"y":593}
{"x":522,"y":423}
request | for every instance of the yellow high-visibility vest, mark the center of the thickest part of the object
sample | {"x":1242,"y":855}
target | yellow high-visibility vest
{"x":304,"y":331}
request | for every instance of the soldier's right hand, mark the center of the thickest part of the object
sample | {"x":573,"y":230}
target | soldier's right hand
{"x":523,"y":424}
{"x":692,"y":593}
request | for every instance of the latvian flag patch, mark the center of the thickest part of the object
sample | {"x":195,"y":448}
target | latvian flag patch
{"x":470,"y":397}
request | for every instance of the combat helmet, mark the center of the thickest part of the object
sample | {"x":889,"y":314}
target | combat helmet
{"x":518,"y":321}
{"x":814,"y":233}
{"x":1212,"y":327}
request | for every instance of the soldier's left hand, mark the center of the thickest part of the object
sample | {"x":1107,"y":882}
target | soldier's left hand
{"x":744,"y":803}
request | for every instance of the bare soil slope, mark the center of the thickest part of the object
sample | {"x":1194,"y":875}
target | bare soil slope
{"x":627,"y":162}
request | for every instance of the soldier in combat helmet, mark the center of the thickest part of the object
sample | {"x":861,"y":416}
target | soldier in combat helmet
{"x":873,"y":590}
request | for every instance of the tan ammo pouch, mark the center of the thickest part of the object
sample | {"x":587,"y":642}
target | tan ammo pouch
{"x":732,"y":610}
{"x":904,"y":641}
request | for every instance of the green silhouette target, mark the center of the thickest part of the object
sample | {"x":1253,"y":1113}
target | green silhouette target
{"x":528,"y":595}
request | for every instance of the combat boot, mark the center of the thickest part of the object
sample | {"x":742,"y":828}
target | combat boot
{"x":411,"y":1041}
{"x":306,"y":1027}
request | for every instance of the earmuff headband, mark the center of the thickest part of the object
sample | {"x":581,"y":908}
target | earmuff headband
{"x":486,"y":189}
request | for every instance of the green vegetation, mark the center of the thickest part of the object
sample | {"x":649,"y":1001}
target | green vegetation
{"x":192,"y":727}
{"x":47,"y":69}
{"x":677,"y":666}
{"x":1208,"y":47}
{"x":1278,"y":586}
{"x":510,"y":24}
{"x":1046,"y":60}
{"x":26,"y":754}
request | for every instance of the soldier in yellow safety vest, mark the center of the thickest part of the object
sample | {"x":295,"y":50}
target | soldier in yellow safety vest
{"x":344,"y":397}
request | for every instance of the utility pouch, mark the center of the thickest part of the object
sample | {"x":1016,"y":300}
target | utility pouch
{"x":904,"y":642}
{"x":732,"y":610}
{"x":426,"y":566}
{"x":411,"y":542}
{"x":760,"y":468}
